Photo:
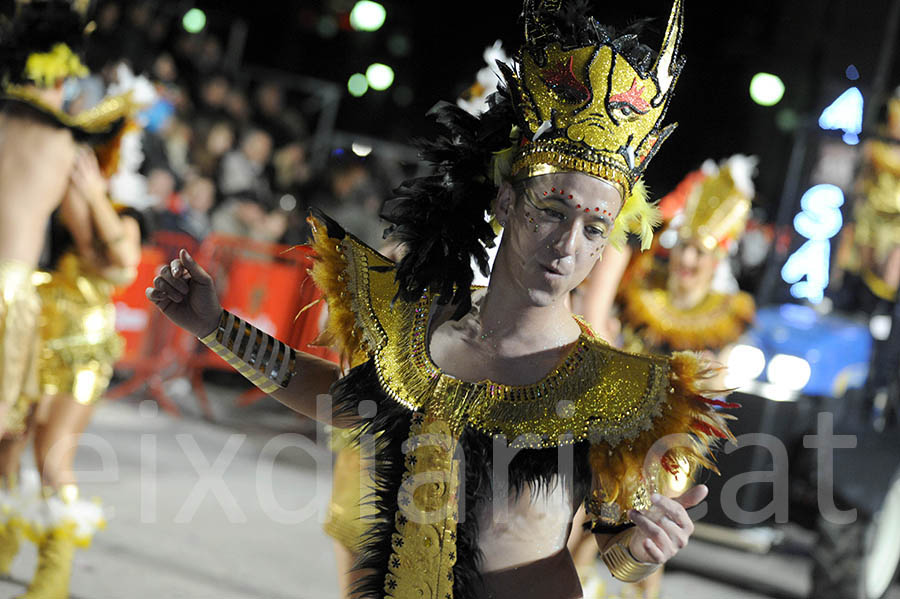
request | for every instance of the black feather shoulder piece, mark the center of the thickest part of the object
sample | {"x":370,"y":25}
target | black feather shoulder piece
{"x":440,"y":218}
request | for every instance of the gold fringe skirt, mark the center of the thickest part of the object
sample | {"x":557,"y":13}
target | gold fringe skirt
{"x":349,"y":513}
{"x":19,"y":312}
{"x":78,"y":329}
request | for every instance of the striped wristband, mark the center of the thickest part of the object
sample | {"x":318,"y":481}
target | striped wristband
{"x":262,"y":359}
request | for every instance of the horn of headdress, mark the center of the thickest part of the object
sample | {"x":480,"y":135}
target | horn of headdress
{"x":534,"y":12}
{"x":666,"y":67}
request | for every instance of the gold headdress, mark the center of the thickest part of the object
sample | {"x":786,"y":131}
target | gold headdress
{"x":716,"y":210}
{"x":592,"y":107}
{"x":589,"y":108}
{"x":578,"y":98}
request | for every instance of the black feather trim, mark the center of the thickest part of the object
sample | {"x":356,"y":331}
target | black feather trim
{"x":440,"y":218}
{"x":574,"y":27}
{"x":392,"y":422}
{"x":530,"y":468}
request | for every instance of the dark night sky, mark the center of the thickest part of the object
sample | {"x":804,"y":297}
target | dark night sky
{"x":809,"y":43}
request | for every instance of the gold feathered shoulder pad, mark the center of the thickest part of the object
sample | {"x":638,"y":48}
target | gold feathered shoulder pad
{"x":358,"y":285}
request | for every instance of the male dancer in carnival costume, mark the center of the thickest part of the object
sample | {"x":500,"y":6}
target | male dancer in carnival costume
{"x":675,"y":305}
{"x":495,"y":413}
{"x":42,"y":168}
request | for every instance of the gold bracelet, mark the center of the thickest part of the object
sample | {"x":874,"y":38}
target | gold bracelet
{"x":622,"y":564}
{"x":263,"y":360}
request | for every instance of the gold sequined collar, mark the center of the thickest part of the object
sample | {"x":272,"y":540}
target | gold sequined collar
{"x":720,"y":319}
{"x":595,"y":390}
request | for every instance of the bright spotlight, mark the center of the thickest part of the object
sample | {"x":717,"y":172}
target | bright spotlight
{"x":668,"y":238}
{"x":357,"y":85}
{"x":287,"y":202}
{"x":789,"y":372}
{"x":745,"y":363}
{"x":766,"y":89}
{"x":367,"y":16}
{"x":194,"y":20}
{"x":380,"y":76}
{"x":360,"y":149}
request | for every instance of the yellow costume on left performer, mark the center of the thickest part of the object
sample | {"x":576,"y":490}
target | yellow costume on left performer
{"x":19,"y":311}
{"x":79,"y":346}
{"x":78,"y":328}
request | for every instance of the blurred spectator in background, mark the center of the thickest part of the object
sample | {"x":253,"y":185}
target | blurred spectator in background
{"x":106,"y":40}
{"x":282,"y":123}
{"x":177,"y":137}
{"x":210,"y":56}
{"x":164,"y":70}
{"x":134,"y":35}
{"x":238,"y":107}
{"x":241,"y":215}
{"x":350,"y":194}
{"x":161,"y":185}
{"x":193,"y":218}
{"x":245,"y":215}
{"x":243,"y":171}
{"x":291,"y":170}
{"x":211,"y":102}
{"x":208,"y":152}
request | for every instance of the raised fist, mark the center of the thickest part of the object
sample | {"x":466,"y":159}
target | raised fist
{"x":185,"y":293}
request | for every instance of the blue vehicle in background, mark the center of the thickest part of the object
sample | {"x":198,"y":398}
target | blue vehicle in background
{"x":797,"y":349}
{"x":799,"y":373}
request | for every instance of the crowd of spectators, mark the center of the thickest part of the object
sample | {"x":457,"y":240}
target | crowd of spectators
{"x":224,"y":152}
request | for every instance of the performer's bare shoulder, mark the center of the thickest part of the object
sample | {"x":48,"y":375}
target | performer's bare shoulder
{"x":35,"y":164}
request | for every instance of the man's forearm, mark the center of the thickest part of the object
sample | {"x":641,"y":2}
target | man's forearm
{"x":294,"y":378}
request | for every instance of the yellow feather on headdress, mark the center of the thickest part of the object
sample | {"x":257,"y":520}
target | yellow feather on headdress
{"x":637,"y":216}
{"x":46,"y":68}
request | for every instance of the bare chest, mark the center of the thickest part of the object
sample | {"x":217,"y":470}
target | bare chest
{"x":467,"y":357}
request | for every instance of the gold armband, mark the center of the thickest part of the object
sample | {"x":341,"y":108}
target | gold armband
{"x":622,"y":564}
{"x":264,"y":360}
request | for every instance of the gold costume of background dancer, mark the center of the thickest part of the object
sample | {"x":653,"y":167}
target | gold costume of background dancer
{"x":95,"y":249}
{"x":675,"y":305}
{"x":42,"y":169}
{"x":876,"y":228}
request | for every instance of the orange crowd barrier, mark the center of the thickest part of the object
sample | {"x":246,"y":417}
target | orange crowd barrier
{"x":266,"y":284}
{"x":147,"y":334}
